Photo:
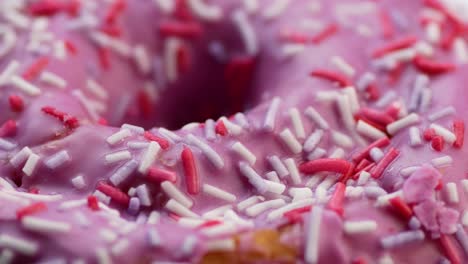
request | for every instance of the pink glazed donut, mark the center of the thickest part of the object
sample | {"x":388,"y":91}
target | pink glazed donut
{"x":233,"y":131}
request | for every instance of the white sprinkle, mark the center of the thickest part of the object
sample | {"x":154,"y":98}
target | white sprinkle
{"x":290,"y":140}
{"x":53,"y":79}
{"x":31,"y":164}
{"x":171,"y":136}
{"x":172,"y":46}
{"x":253,"y":177}
{"x":343,"y":66}
{"x":421,"y":82}
{"x":241,"y":120}
{"x":6,"y":256}
{"x":251,"y":6}
{"x":405,"y":172}
{"x":344,"y":107}
{"x":278,"y":166}
{"x":341,"y":139}
{"x":9,"y":39}
{"x":153,"y":218}
{"x":137,"y":144}
{"x":311,"y":113}
{"x":293,"y":171}
{"x":118,"y":136}
{"x":144,"y":195}
{"x":353,"y":99}
{"x":45,"y":226}
{"x":219,"y":230}
{"x":290,"y":50}
{"x":433,"y":32}
{"x":134,"y":206}
{"x":118,"y":156}
{"x":210,"y":129}
{"x":103,"y":256}
{"x":449,"y":110}
{"x":465,"y":185}
{"x":272,"y":176}
{"x":120,"y":247}
{"x":415,"y":136}
{"x":190,"y":222}
{"x":71,"y":204}
{"x":364,"y":81}
{"x":386,"y":99}
{"x":452,"y":192}
{"x":23,"y":246}
{"x":259,"y":208}
{"x":300,"y":193}
{"x":177,"y":208}
{"x":464,"y":219}
{"x":231,"y":216}
{"x":154,"y":237}
{"x":270,"y":117}
{"x":275,"y":9}
{"x":166,"y":6}
{"x":108,"y":235}
{"x":359,"y":227}
{"x":386,"y":259}
{"x":4,"y":183}
{"x":313,"y":236}
{"x":326,"y":97}
{"x":316,"y":154}
{"x":9,"y":71}
{"x":368,"y":130}
{"x":247,"y":32}
{"x":204,"y":11}
{"x":20,"y":157}
{"x":88,"y":105}
{"x":249,"y":202}
{"x":426,"y":97}
{"x":96,"y":89}
{"x":363,"y":177}
{"x":231,"y":127}
{"x":209,"y":152}
{"x":57,"y":160}
{"x":278,"y":213}
{"x":244,"y":152}
{"x":295,"y":116}
{"x":219,"y":193}
{"x":275,"y":187}
{"x":376,"y":154}
{"x":383,"y":200}
{"x":25,"y":86}
{"x":217,"y":212}
{"x":374,"y":192}
{"x":401,"y":239}
{"x":461,"y":51}
{"x":313,"y":140}
{"x":59,"y":50}
{"x":142,"y":59}
{"x":442,"y":161}
{"x":102,"y":197}
{"x":149,"y":157}
{"x":173,"y":192}
{"x":406,"y":121}
{"x":122,"y":173}
{"x":448,"y":136}
{"x":462,"y":238}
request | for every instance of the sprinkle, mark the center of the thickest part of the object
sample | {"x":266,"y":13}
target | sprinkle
{"x":370,"y":131}
{"x":149,"y":157}
{"x":6,"y":256}
{"x":270,"y":116}
{"x":448,"y":136}
{"x":169,"y":134}
{"x":344,"y":108}
{"x":144,"y":195}
{"x":325,"y":33}
{"x":316,"y":117}
{"x":161,"y":141}
{"x":210,"y":129}
{"x":415,"y":136}
{"x":343,"y":66}
{"x":319,"y":165}
{"x":35,"y":197}
{"x":313,"y":236}
{"x":275,"y":9}
{"x":118,"y":136}
{"x":297,"y":122}
{"x":53,"y":79}
{"x":442,"y":161}
{"x":23,"y":246}
{"x":363,"y":177}
{"x":247,"y":32}
{"x":185,"y":29}
{"x":272,"y":176}
{"x":431,"y":67}
{"x":389,"y":157}
{"x":293,"y":171}
{"x":277,"y":213}
{"x":204,"y":11}
{"x":401,"y":239}
{"x":406,"y":121}
{"x":291,"y":142}
{"x":115,"y":194}
{"x":341,"y":80}
{"x":174,"y":193}
{"x":20,"y":157}
{"x":399,"y":44}
{"x":191,"y":173}
{"x":244,"y":152}
{"x":102,"y":256}
{"x":450,"y":249}
{"x":251,"y":6}
{"x":336,"y":201}
{"x":134,"y":206}
{"x":31,"y":209}
{"x":259,"y":208}
{"x":122,"y":173}
{"x":401,"y":207}
{"x":221,"y":129}
{"x":118,"y":156}
{"x":376,"y":154}
{"x":177,"y":208}
{"x":278,"y":166}
{"x":159,"y":175}
{"x":31,"y":164}
{"x":437,"y":143}
{"x":16,"y":103}
{"x":210,"y":153}
{"x":45,"y":226}
{"x":9,"y":71}
{"x":249,"y":202}
{"x":461,"y":51}
{"x":359,"y":227}
{"x":253,"y":177}
{"x":449,"y":110}
{"x":219,"y":193}
{"x":57,"y":160}
{"x":459,"y":131}
{"x":405,"y":172}
{"x":275,"y":187}
{"x":313,"y":140}
{"x":452,"y":193}
{"x":96,"y":89}
{"x":25,"y":86}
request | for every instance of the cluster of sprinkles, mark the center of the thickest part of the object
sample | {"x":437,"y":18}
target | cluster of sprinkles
{"x":315,"y":169}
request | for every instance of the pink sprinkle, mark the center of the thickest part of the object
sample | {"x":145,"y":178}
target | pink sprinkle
{"x":16,"y":103}
{"x":161,"y":141}
{"x":401,"y":207}
{"x":159,"y":175}
{"x":319,"y":165}
{"x":379,"y":143}
{"x":221,"y":129}
{"x":331,"y":76}
{"x":386,"y":24}
{"x":389,"y":157}
{"x":31,"y":209}
{"x":327,"y":32}
{"x":437,"y":143}
{"x":437,"y":5}
{"x":376,"y":116}
{"x":396,"y":45}
{"x":8,"y":128}
{"x":93,"y":203}
{"x":449,"y":249}
{"x":35,"y":69}
{"x":191,"y":174}
{"x":336,"y":201}
{"x":459,"y":130}
{"x":115,"y":194}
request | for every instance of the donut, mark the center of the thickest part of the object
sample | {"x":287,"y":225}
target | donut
{"x":227,"y":131}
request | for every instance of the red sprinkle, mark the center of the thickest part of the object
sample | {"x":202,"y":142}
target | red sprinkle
{"x":93,"y":203}
{"x":180,"y":29}
{"x":31,"y":209}
{"x":145,"y":104}
{"x":437,"y":143}
{"x":183,"y":59}
{"x":431,"y":67}
{"x":221,"y":129}
{"x":295,"y":215}
{"x":459,"y":130}
{"x":372,"y":92}
{"x":161,"y":141}
{"x":69,"y":121}
{"x":437,"y":5}
{"x":386,"y":24}
{"x":102,"y":121}
{"x":326,"y":33}
{"x":159,"y":175}
{"x":396,"y":45}
{"x":16,"y":103}
{"x":191,"y":173}
{"x":393,"y":110}
{"x":388,"y":158}
{"x":376,"y":116}
{"x":115,"y":194}
{"x":209,"y":223}
{"x":318,"y":165}
{"x":401,"y":207}
{"x":336,"y":201}
{"x":379,"y":143}
{"x":115,"y":10}
{"x":238,"y":74}
{"x":449,"y":249}
{"x":104,"y":58}
{"x":8,"y":128}
{"x":362,"y":164}
{"x":52,"y":7}
{"x":71,"y":47}
{"x":294,"y":37}
{"x":348,"y":174}
{"x":36,"y":68}
{"x":332,"y":76}
{"x":429,"y":134}
{"x":360,"y":260}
